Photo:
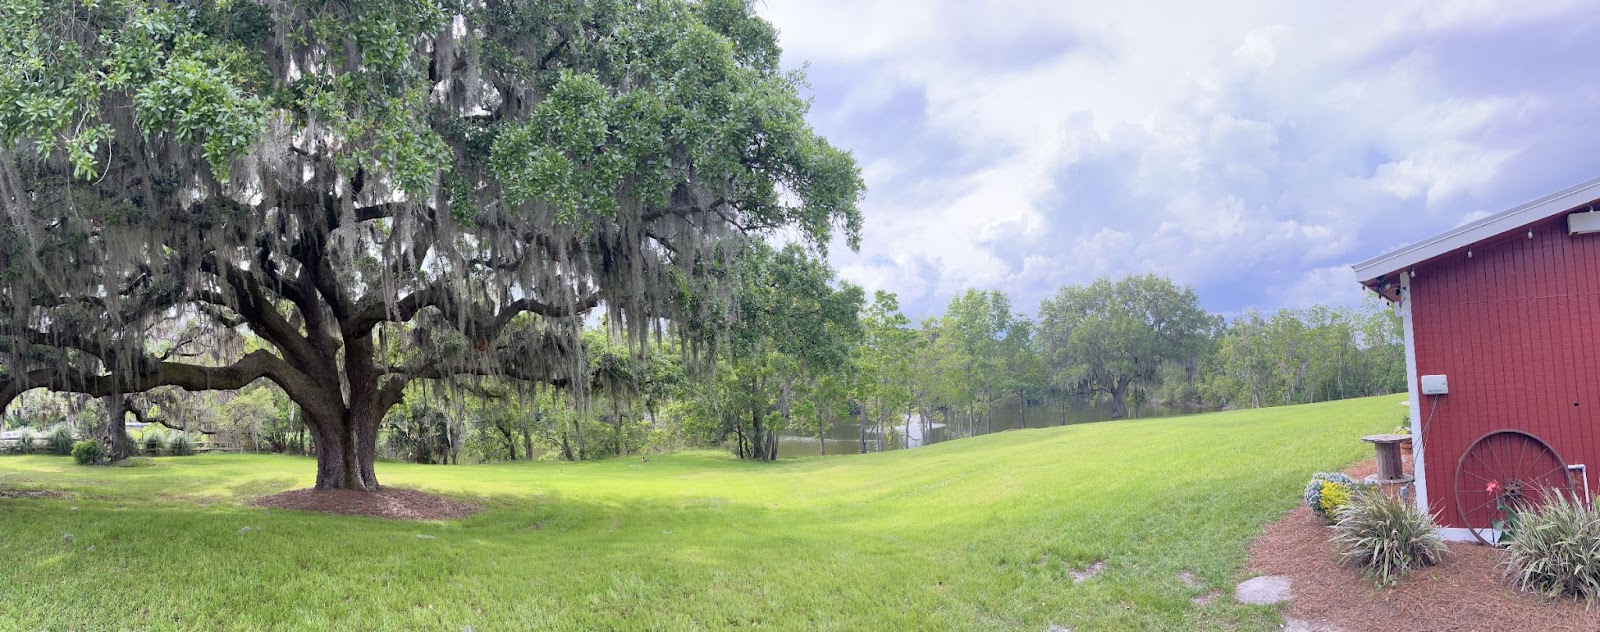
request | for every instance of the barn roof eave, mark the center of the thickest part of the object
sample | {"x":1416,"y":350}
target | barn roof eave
{"x":1367,"y":272}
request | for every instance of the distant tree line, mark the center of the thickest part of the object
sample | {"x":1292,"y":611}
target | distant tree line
{"x":808,"y":355}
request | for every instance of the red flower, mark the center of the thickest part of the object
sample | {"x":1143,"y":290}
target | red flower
{"x":1493,"y":488}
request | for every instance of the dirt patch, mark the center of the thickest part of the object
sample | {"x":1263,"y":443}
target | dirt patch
{"x":33,"y":493}
{"x":1464,"y":592}
{"x":395,"y":504}
{"x":1089,"y":572}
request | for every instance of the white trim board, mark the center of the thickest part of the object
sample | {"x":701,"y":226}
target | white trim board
{"x":1500,"y":223}
{"x":1419,"y":464}
{"x":1458,"y":534}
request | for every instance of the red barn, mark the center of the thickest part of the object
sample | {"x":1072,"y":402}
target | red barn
{"x":1502,"y":331}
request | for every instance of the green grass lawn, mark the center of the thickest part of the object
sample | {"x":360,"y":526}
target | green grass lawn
{"x":981,"y":533}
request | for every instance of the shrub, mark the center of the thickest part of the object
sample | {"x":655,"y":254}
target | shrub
{"x":1386,"y":537}
{"x":1557,"y":550}
{"x":1334,"y":497}
{"x":60,"y":440}
{"x":88,"y":452}
{"x":154,"y":442}
{"x":1327,"y":492}
{"x":24,"y":444}
{"x":181,"y":445}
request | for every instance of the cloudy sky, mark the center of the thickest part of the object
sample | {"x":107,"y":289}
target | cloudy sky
{"x":1252,"y":150}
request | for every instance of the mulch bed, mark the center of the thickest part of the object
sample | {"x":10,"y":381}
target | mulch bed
{"x":391,"y":503}
{"x":1464,"y":592}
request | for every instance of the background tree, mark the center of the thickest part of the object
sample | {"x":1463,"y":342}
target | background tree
{"x":794,"y":325}
{"x":1022,"y":369}
{"x":1111,"y":337}
{"x":336,"y":177}
{"x":974,"y":326}
{"x":884,"y":366}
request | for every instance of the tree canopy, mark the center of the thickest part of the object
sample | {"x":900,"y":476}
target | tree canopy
{"x":1108,"y":336}
{"x":384,"y":191}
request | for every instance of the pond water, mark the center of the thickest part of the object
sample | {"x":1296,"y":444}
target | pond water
{"x":846,"y":439}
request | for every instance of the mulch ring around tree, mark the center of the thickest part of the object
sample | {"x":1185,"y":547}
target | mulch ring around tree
{"x":389,"y":502}
{"x":1464,"y":592}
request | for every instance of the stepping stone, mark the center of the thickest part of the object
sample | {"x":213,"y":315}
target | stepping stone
{"x":1264,"y":591}
{"x":1301,"y":625}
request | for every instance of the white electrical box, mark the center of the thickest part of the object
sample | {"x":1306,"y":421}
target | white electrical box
{"x":1435,"y":385}
{"x":1583,"y":223}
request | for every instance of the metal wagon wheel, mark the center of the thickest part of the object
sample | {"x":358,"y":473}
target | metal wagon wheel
{"x":1506,"y":470}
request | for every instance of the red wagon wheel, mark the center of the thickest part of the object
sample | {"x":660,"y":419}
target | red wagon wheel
{"x":1506,"y":470}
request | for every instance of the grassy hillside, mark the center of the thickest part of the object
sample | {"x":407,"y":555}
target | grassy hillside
{"x":981,"y":533}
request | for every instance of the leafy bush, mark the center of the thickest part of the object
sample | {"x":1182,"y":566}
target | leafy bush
{"x":1386,"y":536}
{"x":88,"y":452}
{"x":154,"y":442}
{"x":1327,"y":492}
{"x":24,"y":444}
{"x":181,"y":445}
{"x":1557,"y":550}
{"x":60,"y":439}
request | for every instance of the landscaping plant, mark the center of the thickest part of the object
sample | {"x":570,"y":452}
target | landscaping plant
{"x":181,"y":445}
{"x":154,"y":441}
{"x":24,"y":444}
{"x":1328,"y":492}
{"x":1557,"y":550}
{"x":1386,"y":537}
{"x":61,"y":440}
{"x":88,"y":452}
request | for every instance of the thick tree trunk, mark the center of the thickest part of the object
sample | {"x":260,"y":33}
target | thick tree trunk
{"x":1119,"y":400}
{"x":116,"y":434}
{"x":527,"y":441}
{"x":344,"y":458}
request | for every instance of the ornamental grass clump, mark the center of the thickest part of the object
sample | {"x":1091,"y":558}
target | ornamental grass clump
{"x":1556,"y":551}
{"x":154,"y":442}
{"x":1386,"y":537}
{"x":181,"y":445}
{"x":24,"y":444}
{"x":61,"y":440}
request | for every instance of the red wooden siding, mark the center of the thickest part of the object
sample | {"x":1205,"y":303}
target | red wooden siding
{"x":1516,"y":327}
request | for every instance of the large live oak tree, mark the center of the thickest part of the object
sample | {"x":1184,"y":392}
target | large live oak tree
{"x":384,"y":191}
